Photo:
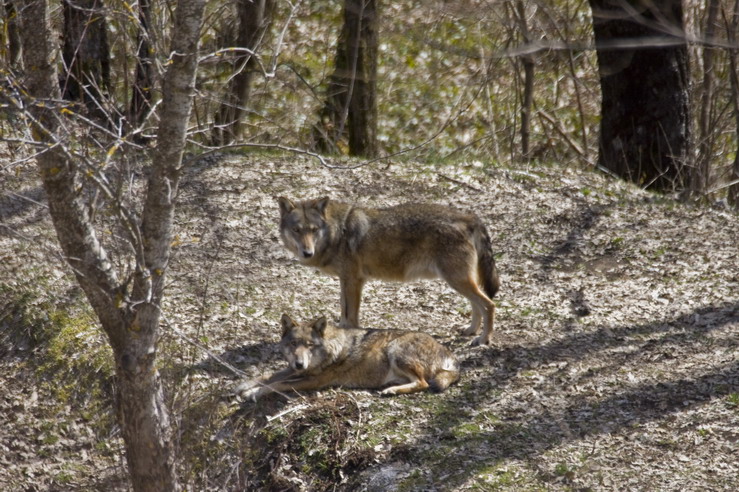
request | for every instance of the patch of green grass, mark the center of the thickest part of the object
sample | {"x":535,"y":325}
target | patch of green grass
{"x":617,"y":242}
{"x":466,"y":429}
{"x":561,"y":469}
{"x":50,"y":439}
{"x":732,"y":400}
{"x":64,"y":477}
{"x":414,"y":481}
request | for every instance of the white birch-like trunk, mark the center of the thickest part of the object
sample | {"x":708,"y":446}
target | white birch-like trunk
{"x":130,"y":319}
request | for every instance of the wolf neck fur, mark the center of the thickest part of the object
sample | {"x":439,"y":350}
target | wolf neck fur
{"x":335,"y":345}
{"x":335,"y":231}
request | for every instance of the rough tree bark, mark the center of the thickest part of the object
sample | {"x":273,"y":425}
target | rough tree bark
{"x":130,"y":318}
{"x":86,"y":54}
{"x":144,"y":81}
{"x":254,"y":20}
{"x":643,"y":65}
{"x":350,"y":110}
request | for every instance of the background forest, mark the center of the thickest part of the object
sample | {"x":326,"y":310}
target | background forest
{"x":510,"y":80}
{"x":142,"y":145}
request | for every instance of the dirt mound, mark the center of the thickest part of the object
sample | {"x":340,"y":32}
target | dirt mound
{"x":614,"y":364}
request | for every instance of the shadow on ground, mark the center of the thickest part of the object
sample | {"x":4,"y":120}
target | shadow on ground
{"x":527,"y":435}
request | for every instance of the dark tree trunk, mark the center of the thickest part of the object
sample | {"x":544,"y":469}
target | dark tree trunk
{"x":86,"y":54}
{"x":527,"y":101}
{"x":130,"y":319}
{"x":144,"y":81}
{"x":254,"y":19}
{"x":700,"y":178}
{"x":14,"y":40}
{"x":643,"y":64}
{"x":351,"y":109}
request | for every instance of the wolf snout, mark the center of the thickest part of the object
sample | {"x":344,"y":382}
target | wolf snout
{"x":299,"y":365}
{"x":307,"y":253}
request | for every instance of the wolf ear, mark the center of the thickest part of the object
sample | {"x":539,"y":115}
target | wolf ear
{"x":319,"y":326}
{"x":321,"y":205}
{"x":286,"y":206}
{"x":287,"y":324}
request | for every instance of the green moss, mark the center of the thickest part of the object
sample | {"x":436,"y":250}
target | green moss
{"x":414,"y":481}
{"x":72,"y":361}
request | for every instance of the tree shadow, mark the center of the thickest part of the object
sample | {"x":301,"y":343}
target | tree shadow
{"x":587,"y":217}
{"x":249,"y":355}
{"x":528,"y":435}
{"x":30,"y":201}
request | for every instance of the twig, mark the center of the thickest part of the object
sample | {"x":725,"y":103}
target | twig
{"x":205,"y":349}
{"x":562,"y":133}
{"x":296,"y":408}
{"x":462,"y":183}
{"x":722,"y":186}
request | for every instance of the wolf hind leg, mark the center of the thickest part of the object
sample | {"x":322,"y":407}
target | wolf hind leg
{"x":406,"y":367}
{"x":468,"y":287}
{"x":415,"y":386}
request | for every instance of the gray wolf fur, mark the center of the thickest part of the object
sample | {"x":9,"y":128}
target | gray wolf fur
{"x":321,"y":354}
{"x":400,"y":243}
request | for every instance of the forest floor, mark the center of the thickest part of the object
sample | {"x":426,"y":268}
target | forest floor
{"x":614,"y":363}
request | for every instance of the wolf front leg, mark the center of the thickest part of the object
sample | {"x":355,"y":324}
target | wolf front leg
{"x":254,"y":388}
{"x":351,"y":297}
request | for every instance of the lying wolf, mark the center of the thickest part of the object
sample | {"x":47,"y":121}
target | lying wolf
{"x":402,"y":243}
{"x":321,"y":354}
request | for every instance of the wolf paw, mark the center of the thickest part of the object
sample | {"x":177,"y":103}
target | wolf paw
{"x":480,"y":341}
{"x":388,"y":392}
{"x":470,"y":330}
{"x":251,"y":394}
{"x":247,"y":390}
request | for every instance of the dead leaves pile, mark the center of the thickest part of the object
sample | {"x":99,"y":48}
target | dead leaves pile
{"x":615,"y":361}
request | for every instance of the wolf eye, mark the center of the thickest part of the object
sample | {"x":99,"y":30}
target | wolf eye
{"x":296,"y":229}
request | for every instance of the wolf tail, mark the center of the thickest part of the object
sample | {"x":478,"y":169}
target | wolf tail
{"x":487,"y":271}
{"x":445,"y":376}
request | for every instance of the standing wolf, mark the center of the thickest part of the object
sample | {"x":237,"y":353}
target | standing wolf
{"x":402,"y":243}
{"x":320,"y":355}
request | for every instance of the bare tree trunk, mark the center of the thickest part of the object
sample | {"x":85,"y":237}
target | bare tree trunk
{"x":700,"y":178}
{"x":144,"y":82}
{"x":732,"y":29}
{"x":643,"y":64}
{"x":254,"y":19}
{"x":14,"y":40}
{"x":129,"y":319}
{"x":528,"y":88}
{"x":86,"y":54}
{"x":351,"y":108}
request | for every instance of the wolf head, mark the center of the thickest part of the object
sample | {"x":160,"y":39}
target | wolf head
{"x":303,"y":226}
{"x":302,"y":344}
